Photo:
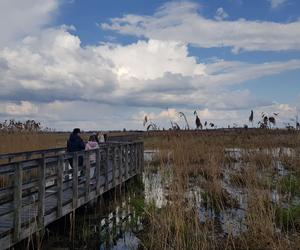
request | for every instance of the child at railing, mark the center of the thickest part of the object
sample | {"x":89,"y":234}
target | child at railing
{"x":92,"y":144}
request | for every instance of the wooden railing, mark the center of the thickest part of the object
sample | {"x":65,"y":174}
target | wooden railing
{"x":12,"y":157}
{"x":39,"y":191}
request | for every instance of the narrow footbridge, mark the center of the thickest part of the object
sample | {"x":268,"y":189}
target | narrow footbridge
{"x":39,"y":187}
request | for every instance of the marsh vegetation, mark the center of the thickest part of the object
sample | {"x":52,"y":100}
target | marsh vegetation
{"x":201,"y":191}
{"x":232,"y":192}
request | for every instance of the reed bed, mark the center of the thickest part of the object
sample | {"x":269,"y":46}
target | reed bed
{"x":30,"y":141}
{"x":221,"y":190}
{"x":255,"y":179}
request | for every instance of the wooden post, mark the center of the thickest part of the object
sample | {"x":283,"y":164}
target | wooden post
{"x":17,"y":201}
{"x":60,"y":167}
{"x":98,"y":170}
{"x":75,"y":180}
{"x":120,"y":164}
{"x":135,"y":158}
{"x":87,"y":175}
{"x":140,"y":158}
{"x":114,"y":166}
{"x":126,"y":161}
{"x":142,"y":147}
{"x":138,"y":154}
{"x":41,"y":195}
{"x":106,"y":168}
{"x":131,"y":159}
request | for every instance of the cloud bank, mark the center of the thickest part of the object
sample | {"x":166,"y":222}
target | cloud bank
{"x":54,"y":66}
{"x":21,"y":18}
{"x":47,"y":74}
{"x":183,"y":22}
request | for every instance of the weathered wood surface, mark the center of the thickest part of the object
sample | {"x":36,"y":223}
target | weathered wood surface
{"x":34,"y":193}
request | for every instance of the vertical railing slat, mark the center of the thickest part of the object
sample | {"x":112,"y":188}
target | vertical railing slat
{"x":106,"y":168}
{"x":137,"y":145}
{"x":98,"y":171}
{"x":75,"y":180}
{"x":135,"y":158}
{"x":60,"y":170}
{"x":41,"y":194}
{"x":17,"y":201}
{"x":114,"y":166}
{"x":142,"y":156}
{"x":126,"y":161}
{"x":120,"y":164}
{"x":87,"y":175}
{"x":131,"y":160}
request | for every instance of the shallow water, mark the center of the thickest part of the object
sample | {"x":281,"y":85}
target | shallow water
{"x":117,"y":222}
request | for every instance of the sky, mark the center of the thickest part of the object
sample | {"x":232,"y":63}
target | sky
{"x":105,"y":65}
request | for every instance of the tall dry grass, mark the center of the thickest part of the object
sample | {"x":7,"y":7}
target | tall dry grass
{"x":201,"y":161}
{"x":26,"y":141}
{"x":29,"y":141}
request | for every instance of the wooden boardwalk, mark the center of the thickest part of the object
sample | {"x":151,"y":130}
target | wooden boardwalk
{"x":44,"y":187}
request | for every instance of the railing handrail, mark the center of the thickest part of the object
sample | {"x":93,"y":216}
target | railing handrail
{"x":51,"y":150}
{"x":34,"y":152}
{"x":57,"y":151}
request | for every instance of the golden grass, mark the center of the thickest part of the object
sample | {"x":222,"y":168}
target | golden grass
{"x":30,"y":141}
{"x":201,"y":159}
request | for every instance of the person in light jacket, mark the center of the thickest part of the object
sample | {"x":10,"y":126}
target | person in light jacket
{"x":92,"y":144}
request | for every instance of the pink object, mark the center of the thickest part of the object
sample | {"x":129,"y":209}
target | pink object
{"x":92,"y":145}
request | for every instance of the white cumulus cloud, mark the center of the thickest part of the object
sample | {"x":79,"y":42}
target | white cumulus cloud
{"x":48,"y":75}
{"x":24,"y":108}
{"x":181,"y":21}
{"x":55,"y":66}
{"x":21,"y":18}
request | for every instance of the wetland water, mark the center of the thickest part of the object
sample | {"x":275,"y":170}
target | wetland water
{"x":117,"y":220}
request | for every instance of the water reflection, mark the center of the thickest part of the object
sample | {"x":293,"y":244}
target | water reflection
{"x":230,"y":220}
{"x":155,"y":191}
{"x":116,"y":222}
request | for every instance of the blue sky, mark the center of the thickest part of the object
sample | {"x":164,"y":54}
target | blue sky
{"x":107,"y":64}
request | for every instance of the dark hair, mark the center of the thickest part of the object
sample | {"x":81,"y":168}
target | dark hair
{"x":92,"y":138}
{"x":76,"y":131}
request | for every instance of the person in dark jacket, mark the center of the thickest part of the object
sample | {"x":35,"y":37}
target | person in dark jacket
{"x":75,"y":143}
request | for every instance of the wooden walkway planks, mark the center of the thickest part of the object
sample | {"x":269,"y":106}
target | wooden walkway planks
{"x":53,"y":189}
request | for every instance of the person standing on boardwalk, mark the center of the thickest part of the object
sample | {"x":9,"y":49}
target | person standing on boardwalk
{"x":74,"y":144}
{"x":90,"y":145}
{"x":100,"y":137}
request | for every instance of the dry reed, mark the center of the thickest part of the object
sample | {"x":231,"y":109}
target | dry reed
{"x":202,"y":161}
